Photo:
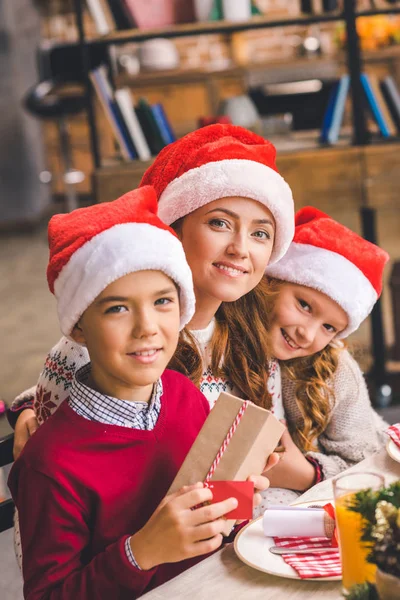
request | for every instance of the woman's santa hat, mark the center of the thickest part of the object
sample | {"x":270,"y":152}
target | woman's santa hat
{"x":332,"y":259}
{"x":92,"y":247}
{"x":220,"y":161}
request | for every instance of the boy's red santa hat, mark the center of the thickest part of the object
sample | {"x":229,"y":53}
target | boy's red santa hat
{"x":93,"y":246}
{"x":220,"y":161}
{"x":332,"y":259}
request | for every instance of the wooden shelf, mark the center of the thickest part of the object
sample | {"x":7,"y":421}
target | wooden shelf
{"x":334,"y":178}
{"x":198,"y":75}
{"x":203,"y":28}
{"x":209,"y":27}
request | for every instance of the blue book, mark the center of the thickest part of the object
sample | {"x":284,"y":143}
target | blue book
{"x":374,"y":106}
{"x":106,"y":96}
{"x":338,"y":109}
{"x":327,"y":120}
{"x":162,"y":123}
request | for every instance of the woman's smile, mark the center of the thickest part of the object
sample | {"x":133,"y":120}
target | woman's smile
{"x":229,"y":269}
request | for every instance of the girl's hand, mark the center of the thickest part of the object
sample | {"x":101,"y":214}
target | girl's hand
{"x":25,"y":427}
{"x":293,"y":471}
{"x":181,"y":527}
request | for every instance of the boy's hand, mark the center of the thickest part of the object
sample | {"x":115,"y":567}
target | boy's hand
{"x":25,"y":427}
{"x":293,"y":472}
{"x":179,"y":528}
{"x":261,"y":483}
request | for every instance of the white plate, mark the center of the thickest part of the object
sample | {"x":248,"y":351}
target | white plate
{"x":252,"y":547}
{"x":393,"y":450}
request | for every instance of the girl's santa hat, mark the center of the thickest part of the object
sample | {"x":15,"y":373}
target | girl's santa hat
{"x":220,"y":161}
{"x":93,"y":246}
{"x":332,"y":259}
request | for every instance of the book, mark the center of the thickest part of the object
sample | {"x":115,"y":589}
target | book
{"x":387,"y":117}
{"x":327,"y":119}
{"x":101,"y":15}
{"x":392,"y":97}
{"x":149,"y":126}
{"x":163,"y":124}
{"x":122,"y":16}
{"x":338,"y":109}
{"x":217,"y":13}
{"x":153,"y":14}
{"x":373,"y":104}
{"x":105,"y":95}
{"x":124,"y":99}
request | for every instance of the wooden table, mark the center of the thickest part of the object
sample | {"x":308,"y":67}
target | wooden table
{"x":223,"y":576}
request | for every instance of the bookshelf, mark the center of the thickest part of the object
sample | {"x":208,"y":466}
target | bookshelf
{"x":348,"y":15}
{"x":358,"y":139}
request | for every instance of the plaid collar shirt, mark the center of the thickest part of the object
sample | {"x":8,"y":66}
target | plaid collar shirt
{"x":93,"y":405}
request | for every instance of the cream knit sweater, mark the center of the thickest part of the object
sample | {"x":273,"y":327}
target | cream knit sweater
{"x":354,"y":431}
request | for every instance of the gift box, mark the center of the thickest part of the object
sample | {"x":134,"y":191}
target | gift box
{"x":234,"y":442}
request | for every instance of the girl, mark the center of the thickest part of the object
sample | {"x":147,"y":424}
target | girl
{"x":325,"y":286}
{"x":220,"y":190}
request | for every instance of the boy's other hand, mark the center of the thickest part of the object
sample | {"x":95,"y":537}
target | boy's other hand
{"x":181,"y":527}
{"x":25,"y":427}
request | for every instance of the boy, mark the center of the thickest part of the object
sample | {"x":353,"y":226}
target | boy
{"x":90,"y":486}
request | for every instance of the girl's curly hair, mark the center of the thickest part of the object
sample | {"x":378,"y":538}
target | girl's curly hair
{"x":313,"y":377}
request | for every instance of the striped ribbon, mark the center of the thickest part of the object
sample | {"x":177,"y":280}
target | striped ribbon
{"x":226,"y":441}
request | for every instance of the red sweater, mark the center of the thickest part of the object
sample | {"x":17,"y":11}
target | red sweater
{"x":82,"y":487}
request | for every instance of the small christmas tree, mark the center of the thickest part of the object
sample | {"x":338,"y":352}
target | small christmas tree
{"x":381,"y":531}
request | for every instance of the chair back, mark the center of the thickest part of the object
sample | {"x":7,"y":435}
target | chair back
{"x":6,"y":458}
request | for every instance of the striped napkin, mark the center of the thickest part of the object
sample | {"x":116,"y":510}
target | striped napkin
{"x":394,"y":432}
{"x":322,"y":564}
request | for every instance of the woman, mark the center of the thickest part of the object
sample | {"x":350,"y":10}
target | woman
{"x":220,"y":190}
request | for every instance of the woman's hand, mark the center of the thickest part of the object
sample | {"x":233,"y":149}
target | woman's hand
{"x":181,"y":527}
{"x":25,"y":427}
{"x":293,"y":470}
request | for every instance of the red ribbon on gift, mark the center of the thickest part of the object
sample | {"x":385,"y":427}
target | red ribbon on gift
{"x":330,"y":510}
{"x":224,"y":445}
{"x":227,"y":439}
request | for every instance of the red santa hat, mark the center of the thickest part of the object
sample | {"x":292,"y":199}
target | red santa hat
{"x":93,"y":246}
{"x":220,"y":161}
{"x":332,"y":259}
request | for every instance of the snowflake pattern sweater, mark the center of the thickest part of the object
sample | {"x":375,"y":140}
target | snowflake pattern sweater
{"x":93,"y":485}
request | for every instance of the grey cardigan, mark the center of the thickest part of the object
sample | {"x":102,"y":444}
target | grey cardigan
{"x":354,"y":431}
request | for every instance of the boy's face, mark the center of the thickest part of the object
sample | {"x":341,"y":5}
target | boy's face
{"x":131,"y":331}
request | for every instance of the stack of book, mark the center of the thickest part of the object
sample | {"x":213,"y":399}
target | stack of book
{"x":382,"y":99}
{"x":109,"y":15}
{"x":142,"y":130}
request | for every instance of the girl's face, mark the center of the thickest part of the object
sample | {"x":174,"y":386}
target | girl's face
{"x":228,"y":244}
{"x":303,"y":321}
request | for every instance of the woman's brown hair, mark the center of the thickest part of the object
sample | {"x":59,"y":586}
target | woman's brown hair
{"x":313,"y":377}
{"x":240,"y":348}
